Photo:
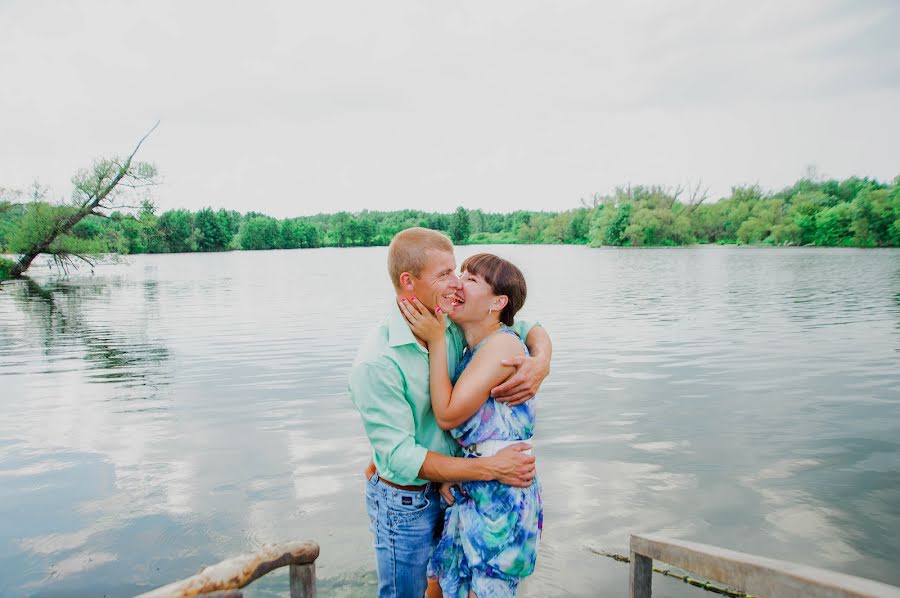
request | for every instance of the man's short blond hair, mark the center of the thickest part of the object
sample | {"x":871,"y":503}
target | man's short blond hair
{"x":409,"y":251}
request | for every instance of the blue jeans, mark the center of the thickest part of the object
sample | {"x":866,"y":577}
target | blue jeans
{"x":406,"y":526}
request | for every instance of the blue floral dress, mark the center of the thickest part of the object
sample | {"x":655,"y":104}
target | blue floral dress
{"x":491,"y":533}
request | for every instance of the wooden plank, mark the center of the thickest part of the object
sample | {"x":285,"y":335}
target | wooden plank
{"x":758,"y":575}
{"x":641,"y":576}
{"x":303,"y":581}
{"x":239,"y":571}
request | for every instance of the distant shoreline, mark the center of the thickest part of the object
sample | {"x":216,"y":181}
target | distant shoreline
{"x":854,"y":212}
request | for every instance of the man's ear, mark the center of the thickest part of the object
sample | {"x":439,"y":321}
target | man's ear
{"x":406,"y":282}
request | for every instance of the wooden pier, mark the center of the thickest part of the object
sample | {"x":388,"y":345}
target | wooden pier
{"x":746,"y":573}
{"x":225,"y":579}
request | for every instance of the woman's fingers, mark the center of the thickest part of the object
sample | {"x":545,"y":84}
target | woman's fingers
{"x":423,"y":311}
{"x":422,"y":321}
{"x":409,"y":307}
{"x":405,"y":309}
{"x":418,"y":305}
{"x":411,"y":310}
{"x":448,"y":496}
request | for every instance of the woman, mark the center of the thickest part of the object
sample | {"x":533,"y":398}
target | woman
{"x":491,"y":532}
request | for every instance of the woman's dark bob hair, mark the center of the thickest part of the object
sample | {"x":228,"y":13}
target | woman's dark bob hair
{"x":505,"y":279}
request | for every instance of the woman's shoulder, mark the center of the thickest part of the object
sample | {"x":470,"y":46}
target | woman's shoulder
{"x":505,"y":342}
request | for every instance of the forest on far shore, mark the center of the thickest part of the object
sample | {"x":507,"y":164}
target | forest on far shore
{"x":854,"y":212}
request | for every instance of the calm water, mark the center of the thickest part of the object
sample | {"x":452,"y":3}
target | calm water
{"x":167,"y":413}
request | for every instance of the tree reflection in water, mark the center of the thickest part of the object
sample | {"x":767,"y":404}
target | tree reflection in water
{"x":74,"y":318}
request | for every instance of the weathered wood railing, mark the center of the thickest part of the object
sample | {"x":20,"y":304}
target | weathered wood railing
{"x":225,"y":579}
{"x":745,"y":572}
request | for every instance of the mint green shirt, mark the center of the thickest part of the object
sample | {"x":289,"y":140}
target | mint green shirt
{"x":389,"y":384}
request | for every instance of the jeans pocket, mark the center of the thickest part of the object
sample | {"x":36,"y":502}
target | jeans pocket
{"x":406,"y":507}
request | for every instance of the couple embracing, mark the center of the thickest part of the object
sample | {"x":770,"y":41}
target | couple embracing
{"x":443,"y":386}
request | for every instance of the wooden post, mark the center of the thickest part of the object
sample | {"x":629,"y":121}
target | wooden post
{"x":641,"y":576}
{"x":303,"y":581}
{"x":237,"y":572}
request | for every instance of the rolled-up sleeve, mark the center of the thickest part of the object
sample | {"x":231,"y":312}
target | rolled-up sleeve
{"x":376,"y":388}
{"x":523,"y":327}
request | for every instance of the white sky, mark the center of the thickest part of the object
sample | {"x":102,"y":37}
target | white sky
{"x":294,"y":108}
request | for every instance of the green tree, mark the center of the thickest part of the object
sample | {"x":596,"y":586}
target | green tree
{"x":260,"y":232}
{"x":833,"y":226}
{"x":557,"y":227}
{"x":614,"y":234}
{"x":708,"y":222}
{"x":90,"y":227}
{"x":292,"y":234}
{"x":765,"y":215}
{"x":577,"y":229}
{"x":460,"y":226}
{"x":176,"y":228}
{"x":98,"y":190}
{"x":658,"y":226}
{"x":297,"y":233}
{"x":440,"y":222}
{"x":340,"y":232}
{"x":313,"y":236}
{"x":526,"y":232}
{"x":476,"y":221}
{"x":874,"y":212}
{"x":135,"y":235}
{"x":214,"y":232}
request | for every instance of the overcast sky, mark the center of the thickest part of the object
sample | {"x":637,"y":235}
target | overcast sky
{"x":294,"y":108}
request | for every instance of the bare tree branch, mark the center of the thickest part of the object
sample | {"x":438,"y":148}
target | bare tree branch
{"x":696,"y":196}
{"x":595,"y":200}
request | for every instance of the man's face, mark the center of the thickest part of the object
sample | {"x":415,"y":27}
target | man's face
{"x":438,"y":285}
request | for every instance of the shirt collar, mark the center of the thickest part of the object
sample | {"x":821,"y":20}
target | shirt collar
{"x":399,"y":333}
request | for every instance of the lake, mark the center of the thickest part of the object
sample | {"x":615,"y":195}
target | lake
{"x":174,"y":410}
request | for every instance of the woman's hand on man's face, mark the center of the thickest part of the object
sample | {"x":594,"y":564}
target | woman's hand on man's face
{"x":424,"y":324}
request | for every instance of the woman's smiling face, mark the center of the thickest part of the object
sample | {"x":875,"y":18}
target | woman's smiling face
{"x":478,"y":297}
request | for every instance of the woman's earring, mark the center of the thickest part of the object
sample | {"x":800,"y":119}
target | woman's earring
{"x":490,"y":310}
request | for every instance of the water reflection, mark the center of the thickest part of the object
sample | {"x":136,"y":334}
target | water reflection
{"x":186,"y":408}
{"x":112,"y":354}
{"x":74,"y":452}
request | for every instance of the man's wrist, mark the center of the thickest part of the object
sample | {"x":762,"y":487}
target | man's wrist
{"x":485,"y":469}
{"x":544,"y":361}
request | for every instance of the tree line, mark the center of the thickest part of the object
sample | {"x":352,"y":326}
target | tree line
{"x":854,"y":212}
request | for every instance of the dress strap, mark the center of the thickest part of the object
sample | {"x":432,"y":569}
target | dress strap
{"x":502,"y":329}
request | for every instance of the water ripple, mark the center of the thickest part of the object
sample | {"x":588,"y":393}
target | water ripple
{"x":173,"y":411}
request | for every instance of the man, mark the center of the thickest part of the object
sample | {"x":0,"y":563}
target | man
{"x":389,"y":384}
